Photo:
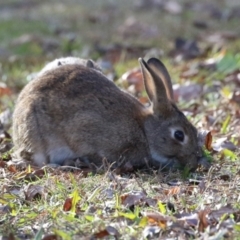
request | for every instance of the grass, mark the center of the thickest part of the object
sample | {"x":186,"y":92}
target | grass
{"x":60,"y":204}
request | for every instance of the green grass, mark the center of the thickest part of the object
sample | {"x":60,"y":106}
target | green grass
{"x":11,"y":29}
{"x":36,"y":208}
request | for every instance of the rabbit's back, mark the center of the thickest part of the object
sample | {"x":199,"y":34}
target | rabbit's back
{"x":74,"y":111}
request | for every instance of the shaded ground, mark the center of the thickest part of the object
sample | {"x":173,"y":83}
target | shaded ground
{"x":200,"y":44}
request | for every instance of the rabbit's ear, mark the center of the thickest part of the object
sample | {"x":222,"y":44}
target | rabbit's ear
{"x":156,"y":90}
{"x":90,"y":63}
{"x":160,"y":70}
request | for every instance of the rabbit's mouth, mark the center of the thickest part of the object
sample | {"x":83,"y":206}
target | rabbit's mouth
{"x":165,"y":162}
{"x":161,"y":159}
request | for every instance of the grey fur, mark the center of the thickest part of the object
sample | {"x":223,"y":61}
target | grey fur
{"x":75,"y":111}
{"x":69,"y":60}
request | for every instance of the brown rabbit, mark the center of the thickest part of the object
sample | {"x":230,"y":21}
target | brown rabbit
{"x":74,"y":111}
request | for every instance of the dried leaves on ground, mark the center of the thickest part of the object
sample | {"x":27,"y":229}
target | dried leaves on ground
{"x":201,"y":52}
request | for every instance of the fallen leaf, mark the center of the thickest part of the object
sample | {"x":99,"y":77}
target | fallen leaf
{"x":12,"y":168}
{"x":101,"y":234}
{"x":35,"y":175}
{"x":33,"y":192}
{"x":189,"y":218}
{"x":67,"y":205}
{"x":109,"y":230}
{"x":217,"y":214}
{"x":133,"y":198}
{"x":4,"y":90}
{"x":223,"y":143}
{"x":162,"y":207}
{"x":134,"y":77}
{"x":172,"y":191}
{"x":190,"y":189}
{"x":156,"y":219}
{"x":203,"y":221}
{"x":208,"y":141}
{"x":50,"y":237}
{"x":3,"y":164}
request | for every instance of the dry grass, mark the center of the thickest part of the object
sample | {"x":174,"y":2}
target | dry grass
{"x":73,"y":204}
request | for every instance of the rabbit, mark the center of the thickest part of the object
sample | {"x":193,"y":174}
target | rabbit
{"x":74,"y":111}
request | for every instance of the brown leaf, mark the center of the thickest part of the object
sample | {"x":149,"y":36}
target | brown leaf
{"x":109,"y":230}
{"x":172,"y":191}
{"x":203,"y":221}
{"x":67,"y":205}
{"x":2,"y":164}
{"x":12,"y":168}
{"x":131,"y":199}
{"x":157,"y":219}
{"x":35,"y":175}
{"x":190,"y":189}
{"x":101,"y":234}
{"x":208,"y":141}
{"x":133,"y":76}
{"x":4,"y":90}
{"x":9,"y":237}
{"x":50,"y":237}
{"x":33,"y":192}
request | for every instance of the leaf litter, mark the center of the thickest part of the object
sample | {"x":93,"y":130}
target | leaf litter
{"x":51,"y":203}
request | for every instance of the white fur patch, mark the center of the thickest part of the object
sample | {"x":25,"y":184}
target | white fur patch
{"x":158,"y":158}
{"x":60,"y":154}
{"x":39,"y":159}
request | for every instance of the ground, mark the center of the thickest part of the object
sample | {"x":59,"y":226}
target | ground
{"x":199,"y":42}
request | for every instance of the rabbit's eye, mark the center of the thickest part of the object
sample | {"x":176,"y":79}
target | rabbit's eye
{"x":179,"y":135}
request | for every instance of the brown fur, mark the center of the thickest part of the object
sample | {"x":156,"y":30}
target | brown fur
{"x":75,"y":111}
